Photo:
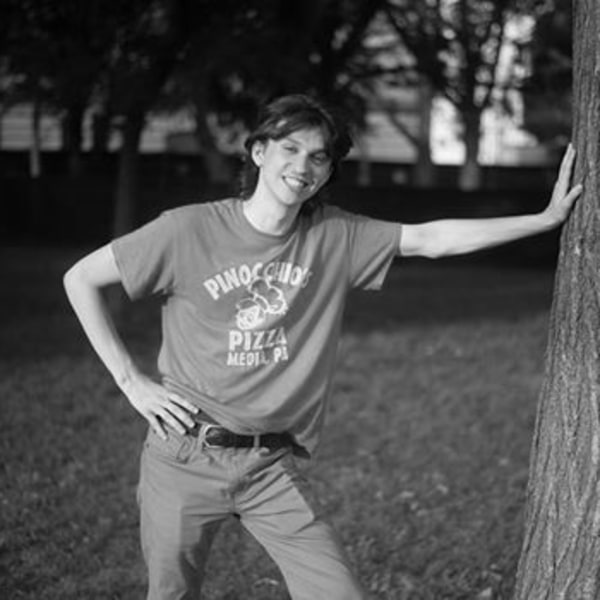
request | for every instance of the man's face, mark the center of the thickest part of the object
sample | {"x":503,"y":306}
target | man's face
{"x":294,"y":168}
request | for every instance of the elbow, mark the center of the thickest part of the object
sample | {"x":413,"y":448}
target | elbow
{"x":71,"y":279}
{"x":77,"y":279}
{"x":84,"y":281}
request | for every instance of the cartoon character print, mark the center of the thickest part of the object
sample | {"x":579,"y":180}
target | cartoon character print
{"x":266,"y":299}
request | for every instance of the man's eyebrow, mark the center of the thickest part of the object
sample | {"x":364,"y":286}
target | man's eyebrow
{"x":298,"y":142}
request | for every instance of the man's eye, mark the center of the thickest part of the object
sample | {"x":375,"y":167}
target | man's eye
{"x":320,"y":159}
{"x":290,"y":149}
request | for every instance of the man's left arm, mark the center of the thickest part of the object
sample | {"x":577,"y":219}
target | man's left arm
{"x":448,"y":237}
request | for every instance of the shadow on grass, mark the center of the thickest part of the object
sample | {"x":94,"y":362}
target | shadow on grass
{"x":449,"y":291}
{"x":422,"y":468}
{"x":36,"y":320}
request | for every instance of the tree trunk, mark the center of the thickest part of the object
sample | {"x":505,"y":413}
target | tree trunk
{"x":364,"y":172}
{"x":35,"y":162}
{"x":470,"y":172}
{"x":100,"y":133}
{"x":560,"y":557}
{"x":73,"y":136}
{"x":218,"y":169}
{"x":424,"y":172}
{"x":35,"y":207}
{"x":2,"y":112}
{"x":127,"y":177}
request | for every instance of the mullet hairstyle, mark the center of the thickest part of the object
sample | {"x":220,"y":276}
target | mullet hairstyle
{"x":286,"y":115}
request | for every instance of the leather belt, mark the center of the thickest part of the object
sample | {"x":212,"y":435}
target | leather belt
{"x":215,"y":436}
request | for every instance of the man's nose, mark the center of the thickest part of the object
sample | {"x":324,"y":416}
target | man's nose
{"x":302,"y":163}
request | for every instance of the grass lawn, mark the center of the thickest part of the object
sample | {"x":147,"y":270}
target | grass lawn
{"x":422,"y":469}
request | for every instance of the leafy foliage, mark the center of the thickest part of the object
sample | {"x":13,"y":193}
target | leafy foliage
{"x":547,"y":92}
{"x":455,"y":44}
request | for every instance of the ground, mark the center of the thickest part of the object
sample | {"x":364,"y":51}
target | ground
{"x":423,"y":464}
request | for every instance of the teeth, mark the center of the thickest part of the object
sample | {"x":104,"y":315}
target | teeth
{"x":295,"y":183}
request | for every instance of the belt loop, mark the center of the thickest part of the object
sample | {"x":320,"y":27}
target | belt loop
{"x":204,"y":428}
{"x":256,"y":441}
{"x":202,"y":434}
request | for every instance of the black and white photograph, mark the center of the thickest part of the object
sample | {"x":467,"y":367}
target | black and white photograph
{"x":300,"y":300}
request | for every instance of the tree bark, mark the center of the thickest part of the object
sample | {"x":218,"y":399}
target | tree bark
{"x":100,"y":133}
{"x":127,"y":177}
{"x":470,"y":172}
{"x":424,"y":172}
{"x":218,"y":170}
{"x":560,"y":558}
{"x":35,"y":150}
{"x":73,"y":136}
{"x":2,"y":111}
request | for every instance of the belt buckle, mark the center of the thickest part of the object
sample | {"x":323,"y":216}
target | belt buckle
{"x":204,"y":429}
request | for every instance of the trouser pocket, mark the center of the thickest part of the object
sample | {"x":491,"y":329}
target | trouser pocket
{"x":176,"y":447}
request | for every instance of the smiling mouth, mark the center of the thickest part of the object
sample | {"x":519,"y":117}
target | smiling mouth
{"x":297,"y":183}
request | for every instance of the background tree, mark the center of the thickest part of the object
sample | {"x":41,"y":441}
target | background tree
{"x":27,"y":49}
{"x":456,"y":45}
{"x":151,"y":42}
{"x":405,"y":73}
{"x":62,"y":55}
{"x":321,"y":49}
{"x":54,"y":54}
{"x":334,"y":46}
{"x":225,"y":75}
{"x":561,"y":548}
{"x":547,"y":92}
{"x":83,"y":39}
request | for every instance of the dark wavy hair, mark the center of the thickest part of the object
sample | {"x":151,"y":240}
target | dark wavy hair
{"x":287,"y":114}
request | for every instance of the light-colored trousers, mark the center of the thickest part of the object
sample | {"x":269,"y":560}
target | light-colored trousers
{"x":186,"y":490}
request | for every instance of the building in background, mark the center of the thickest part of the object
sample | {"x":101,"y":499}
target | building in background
{"x":504,"y":141}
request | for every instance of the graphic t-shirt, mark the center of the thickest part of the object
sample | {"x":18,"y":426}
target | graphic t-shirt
{"x":251,"y":321}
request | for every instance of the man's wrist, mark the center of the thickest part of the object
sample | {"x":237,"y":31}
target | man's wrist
{"x":546,"y":220}
{"x":126,"y":378}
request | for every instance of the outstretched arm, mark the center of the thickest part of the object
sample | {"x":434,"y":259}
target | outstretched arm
{"x":84,"y":283}
{"x":448,"y":237}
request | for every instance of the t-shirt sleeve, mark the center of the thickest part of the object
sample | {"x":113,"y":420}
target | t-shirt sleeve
{"x":373,"y":246}
{"x":146,"y":257}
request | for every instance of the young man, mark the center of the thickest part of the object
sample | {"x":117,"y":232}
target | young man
{"x":253,"y":295}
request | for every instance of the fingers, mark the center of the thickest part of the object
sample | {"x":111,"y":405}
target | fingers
{"x":188,"y":406}
{"x":182,"y":410}
{"x":571,"y":197}
{"x":163,"y":409}
{"x":566,"y":169}
{"x":175,"y":412}
{"x":157,"y":426}
{"x":562,"y":194}
{"x":568,"y":157}
{"x":574,"y":193}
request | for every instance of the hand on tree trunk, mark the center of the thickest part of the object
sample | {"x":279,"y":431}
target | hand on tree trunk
{"x":563,"y":198}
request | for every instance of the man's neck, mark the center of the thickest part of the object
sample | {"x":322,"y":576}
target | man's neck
{"x":270,"y":218}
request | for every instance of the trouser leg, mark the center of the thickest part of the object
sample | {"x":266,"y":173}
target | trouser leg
{"x":278,"y":508}
{"x":182,"y":505}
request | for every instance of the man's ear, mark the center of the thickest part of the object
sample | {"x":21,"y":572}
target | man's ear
{"x":258,"y":153}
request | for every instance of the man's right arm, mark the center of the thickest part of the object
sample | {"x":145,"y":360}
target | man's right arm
{"x":84,"y":283}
